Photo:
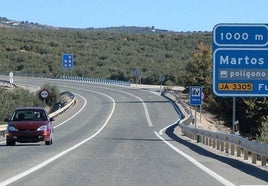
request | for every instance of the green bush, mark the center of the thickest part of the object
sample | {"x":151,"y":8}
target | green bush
{"x":263,"y":133}
{"x":18,"y":97}
{"x":12,"y":99}
{"x":54,"y":94}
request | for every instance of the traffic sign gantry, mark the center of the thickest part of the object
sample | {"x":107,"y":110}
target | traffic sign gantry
{"x":240,"y":60}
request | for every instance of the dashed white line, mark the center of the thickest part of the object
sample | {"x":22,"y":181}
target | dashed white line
{"x":148,"y":119}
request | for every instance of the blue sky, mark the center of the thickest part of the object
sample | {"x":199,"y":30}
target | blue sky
{"x":175,"y":15}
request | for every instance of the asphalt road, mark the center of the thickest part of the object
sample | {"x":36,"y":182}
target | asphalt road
{"x":118,"y":136}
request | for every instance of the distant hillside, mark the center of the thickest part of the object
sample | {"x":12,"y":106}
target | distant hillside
{"x":113,"y":53}
{"x":4,"y":22}
{"x":7,"y":23}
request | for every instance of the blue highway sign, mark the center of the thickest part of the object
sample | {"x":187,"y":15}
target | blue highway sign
{"x":196,"y":95}
{"x":240,"y":35}
{"x":67,"y":61}
{"x":240,"y":60}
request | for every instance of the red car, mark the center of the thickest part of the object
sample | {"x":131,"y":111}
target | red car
{"x":29,"y":124}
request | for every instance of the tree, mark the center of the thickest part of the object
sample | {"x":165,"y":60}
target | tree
{"x":199,"y":71}
{"x":263,"y":132}
{"x":252,"y":115}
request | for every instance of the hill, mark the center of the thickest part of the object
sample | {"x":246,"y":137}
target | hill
{"x":113,"y":53}
{"x":5,"y":22}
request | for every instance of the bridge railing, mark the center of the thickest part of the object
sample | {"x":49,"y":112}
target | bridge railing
{"x":232,"y":144}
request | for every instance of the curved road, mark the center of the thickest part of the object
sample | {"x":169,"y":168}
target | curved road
{"x":118,"y":136}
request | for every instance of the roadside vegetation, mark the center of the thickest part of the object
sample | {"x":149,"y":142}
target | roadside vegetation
{"x":183,"y":58}
{"x":19,"y":97}
{"x":99,"y":54}
{"x":250,"y":112}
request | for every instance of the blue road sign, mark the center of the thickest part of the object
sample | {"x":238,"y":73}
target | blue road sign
{"x":240,"y":35}
{"x":196,"y":95}
{"x":67,"y":61}
{"x":240,"y":60}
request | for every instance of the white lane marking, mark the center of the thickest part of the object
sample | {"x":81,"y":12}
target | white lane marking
{"x":149,"y":121}
{"x":85,"y":103}
{"x":44,"y":163}
{"x":195,"y":162}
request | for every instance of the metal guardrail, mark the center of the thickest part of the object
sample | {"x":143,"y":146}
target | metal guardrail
{"x":229,"y":143}
{"x":95,"y":80}
{"x":51,"y":115}
{"x":72,"y":78}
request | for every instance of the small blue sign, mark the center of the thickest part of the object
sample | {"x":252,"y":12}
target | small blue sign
{"x":67,"y":61}
{"x":196,"y":95}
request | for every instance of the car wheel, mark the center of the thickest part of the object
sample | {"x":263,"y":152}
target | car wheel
{"x":50,"y":142}
{"x":10,"y":143}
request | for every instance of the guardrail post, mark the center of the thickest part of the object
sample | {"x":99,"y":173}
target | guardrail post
{"x":238,"y":151}
{"x":263,"y":160}
{"x":232,"y":149}
{"x":198,"y":138}
{"x":222,"y":146}
{"x":226,"y":147}
{"x":201,"y":139}
{"x":254,"y":158}
{"x":245,"y":154}
{"x":213,"y":143}
{"x":218,"y":145}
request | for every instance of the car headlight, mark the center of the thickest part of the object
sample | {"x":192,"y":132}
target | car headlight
{"x":42,"y":128}
{"x":11,"y":128}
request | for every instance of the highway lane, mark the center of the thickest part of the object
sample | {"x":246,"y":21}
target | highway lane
{"x":124,"y":149}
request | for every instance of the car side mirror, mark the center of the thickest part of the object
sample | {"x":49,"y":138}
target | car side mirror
{"x":6,"y":120}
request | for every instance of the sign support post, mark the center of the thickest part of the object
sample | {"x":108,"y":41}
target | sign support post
{"x":234,"y":114}
{"x":44,"y":94}
{"x":195,"y":100}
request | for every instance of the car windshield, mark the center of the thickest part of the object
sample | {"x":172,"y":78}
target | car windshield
{"x":29,"y":115}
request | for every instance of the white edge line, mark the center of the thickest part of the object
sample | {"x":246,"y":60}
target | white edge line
{"x":74,"y":114}
{"x":163,"y":129}
{"x":195,"y":162}
{"x":44,"y":163}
